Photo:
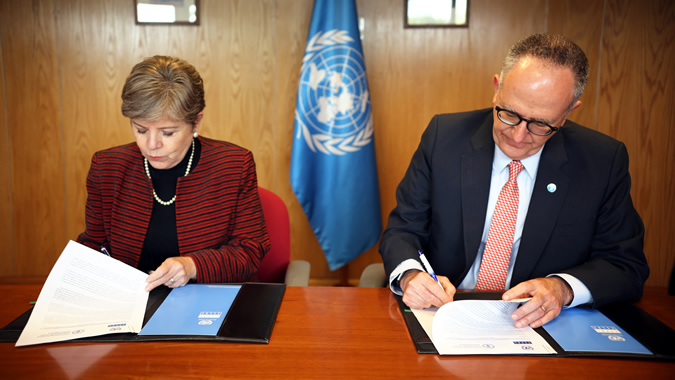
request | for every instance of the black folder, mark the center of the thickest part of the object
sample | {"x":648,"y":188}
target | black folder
{"x":652,"y":333}
{"x":250,"y":319}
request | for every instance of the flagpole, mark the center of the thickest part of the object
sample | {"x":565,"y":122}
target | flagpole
{"x":343,"y":276}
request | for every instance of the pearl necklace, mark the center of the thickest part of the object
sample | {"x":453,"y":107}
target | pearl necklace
{"x":187,"y":171}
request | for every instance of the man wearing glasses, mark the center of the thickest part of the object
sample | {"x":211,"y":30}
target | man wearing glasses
{"x":519,"y":198}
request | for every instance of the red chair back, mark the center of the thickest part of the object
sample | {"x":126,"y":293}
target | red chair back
{"x":274,"y":264}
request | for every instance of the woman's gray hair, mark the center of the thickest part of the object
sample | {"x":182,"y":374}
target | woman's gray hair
{"x":163,"y":86}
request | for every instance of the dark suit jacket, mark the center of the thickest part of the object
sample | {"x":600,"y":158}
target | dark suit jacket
{"x":219,"y":218}
{"x":588,"y":227}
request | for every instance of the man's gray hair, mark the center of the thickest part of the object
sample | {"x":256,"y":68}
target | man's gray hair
{"x":555,"y":49}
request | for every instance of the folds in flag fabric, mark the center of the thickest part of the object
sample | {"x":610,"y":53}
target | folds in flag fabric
{"x":333,"y":171}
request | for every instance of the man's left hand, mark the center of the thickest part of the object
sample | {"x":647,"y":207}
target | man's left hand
{"x":548,"y":294}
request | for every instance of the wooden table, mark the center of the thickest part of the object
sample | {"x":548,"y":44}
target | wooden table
{"x":321,"y":332}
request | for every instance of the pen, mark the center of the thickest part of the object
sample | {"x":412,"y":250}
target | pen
{"x":428,"y":268}
{"x":105,"y":251}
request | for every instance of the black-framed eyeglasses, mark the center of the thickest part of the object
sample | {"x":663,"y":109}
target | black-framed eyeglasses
{"x":536,"y":127}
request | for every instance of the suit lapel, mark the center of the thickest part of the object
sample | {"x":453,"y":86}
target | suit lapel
{"x":476,"y":175}
{"x":545,"y":206}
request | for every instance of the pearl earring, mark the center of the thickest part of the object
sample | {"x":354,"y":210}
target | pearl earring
{"x":195,"y":135}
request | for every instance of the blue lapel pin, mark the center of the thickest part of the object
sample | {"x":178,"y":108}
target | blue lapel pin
{"x":551,"y":187}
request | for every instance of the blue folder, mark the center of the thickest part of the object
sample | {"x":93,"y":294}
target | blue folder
{"x":591,"y":331}
{"x":192,"y":310}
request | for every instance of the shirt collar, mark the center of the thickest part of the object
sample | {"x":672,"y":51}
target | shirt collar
{"x":531,"y":164}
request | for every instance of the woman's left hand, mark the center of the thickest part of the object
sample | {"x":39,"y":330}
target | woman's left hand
{"x":174,"y":272}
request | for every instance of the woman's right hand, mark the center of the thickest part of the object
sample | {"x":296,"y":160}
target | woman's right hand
{"x":174,"y":272}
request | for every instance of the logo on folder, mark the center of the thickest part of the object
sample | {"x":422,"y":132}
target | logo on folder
{"x":206,"y":318}
{"x":606,"y":330}
{"x":610,"y":332}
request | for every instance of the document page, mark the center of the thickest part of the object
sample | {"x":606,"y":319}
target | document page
{"x":86,"y":294}
{"x":480,"y":327}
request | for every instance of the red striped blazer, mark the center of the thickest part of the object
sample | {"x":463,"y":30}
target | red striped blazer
{"x":219,"y":218}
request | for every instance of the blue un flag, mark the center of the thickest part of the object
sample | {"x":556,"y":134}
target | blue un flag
{"x":333,"y":171}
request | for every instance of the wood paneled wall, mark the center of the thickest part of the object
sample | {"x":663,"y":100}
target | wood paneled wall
{"x":64,"y":63}
{"x":34,"y":131}
{"x":636,"y":104}
{"x":631,"y":97}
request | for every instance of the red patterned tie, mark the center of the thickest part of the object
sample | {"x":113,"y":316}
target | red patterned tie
{"x":495,"y":263}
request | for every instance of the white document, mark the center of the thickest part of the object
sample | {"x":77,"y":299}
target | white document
{"x":479,"y":327}
{"x":86,"y":294}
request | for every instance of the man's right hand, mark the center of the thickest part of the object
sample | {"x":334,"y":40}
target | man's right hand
{"x":421,"y":291}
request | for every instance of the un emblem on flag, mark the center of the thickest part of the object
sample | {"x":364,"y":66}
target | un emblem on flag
{"x":333,"y":108}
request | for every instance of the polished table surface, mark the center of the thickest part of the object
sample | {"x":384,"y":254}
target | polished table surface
{"x":320,"y":332}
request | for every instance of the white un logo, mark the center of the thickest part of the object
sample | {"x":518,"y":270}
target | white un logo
{"x":333,"y":100}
